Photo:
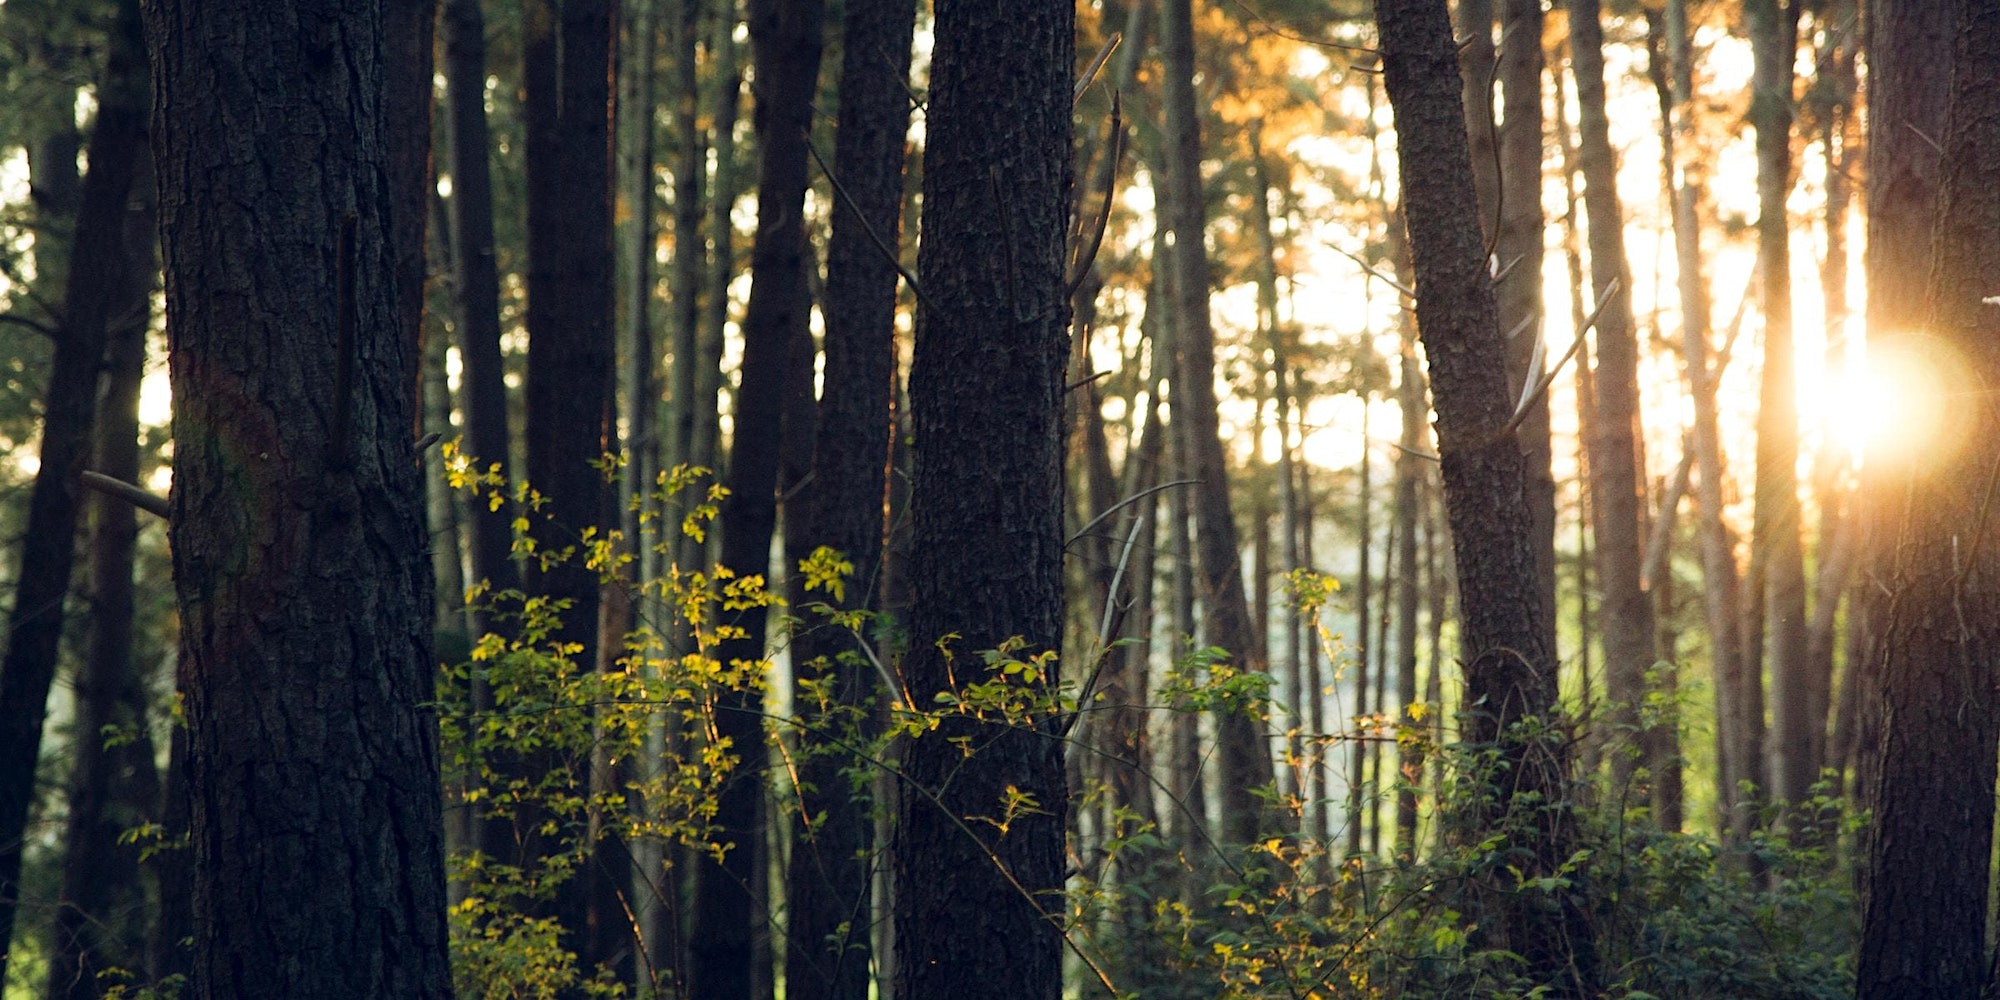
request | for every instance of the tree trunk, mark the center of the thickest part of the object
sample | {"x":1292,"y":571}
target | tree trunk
{"x":1924,"y":922}
{"x":94,"y":283}
{"x":1245,"y":760}
{"x":1776,"y":526}
{"x":1909,"y":87}
{"x":785,"y":40}
{"x":1506,"y":644}
{"x":1358,"y":806}
{"x":113,"y":784}
{"x":566,"y":113}
{"x":986,"y":390}
{"x":297,"y":524}
{"x":1410,"y":399}
{"x":1617,"y":481}
{"x":827,"y":885}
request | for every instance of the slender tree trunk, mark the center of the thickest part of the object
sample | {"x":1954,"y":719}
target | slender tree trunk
{"x":1775,"y":530}
{"x":704,"y":450}
{"x":1617,"y":481}
{"x":987,"y":559}
{"x":94,"y":284}
{"x":1507,"y":646}
{"x":114,"y":784}
{"x":684,"y":281}
{"x":827,"y":885}
{"x":1358,"y":806}
{"x":1245,"y":760}
{"x":1924,"y":922}
{"x":786,"y":42}
{"x":1410,"y":398}
{"x":297,"y":522}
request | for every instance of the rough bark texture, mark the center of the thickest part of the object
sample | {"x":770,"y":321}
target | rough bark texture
{"x":1616,"y":479}
{"x":1507,"y":647}
{"x":92,"y":287}
{"x":785,"y":44}
{"x":977,"y":880}
{"x":1243,"y":757}
{"x":1924,"y":923}
{"x":1909,"y":87}
{"x":827,"y":884}
{"x":297,"y":511}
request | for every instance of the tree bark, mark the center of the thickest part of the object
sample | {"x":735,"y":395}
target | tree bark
{"x":986,"y":391}
{"x":93,"y":284}
{"x":1507,"y":647}
{"x":827,"y":950}
{"x":1909,"y":88}
{"x":297,"y":511}
{"x":785,"y":42}
{"x":1617,"y":481}
{"x":1244,"y":757}
{"x":1924,"y":922}
{"x":566,"y":114}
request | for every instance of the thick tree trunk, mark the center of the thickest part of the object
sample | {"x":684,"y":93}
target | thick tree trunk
{"x":1617,"y":482}
{"x":1507,"y":647}
{"x":1909,"y":87}
{"x":92,"y":287}
{"x":986,"y":392}
{"x":1244,"y":757}
{"x":1924,"y":922}
{"x":297,"y":523}
{"x":827,"y":884}
{"x":785,"y":39}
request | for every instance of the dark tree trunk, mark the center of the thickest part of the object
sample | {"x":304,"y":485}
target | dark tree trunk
{"x":113,"y":785}
{"x":1909,"y":87}
{"x":93,"y":286}
{"x":1507,"y":647}
{"x":785,"y":43}
{"x":1924,"y":924}
{"x":1617,"y":482}
{"x":1242,"y":753}
{"x":986,"y":391}
{"x":827,"y":883}
{"x":476,"y":287}
{"x":297,"y":513}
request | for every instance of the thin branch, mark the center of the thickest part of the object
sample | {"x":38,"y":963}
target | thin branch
{"x":1273,"y":28}
{"x":151,"y":503}
{"x":1549,"y":377}
{"x":1373,"y":273}
{"x":1086,"y":380}
{"x":1087,"y":259}
{"x":1663,"y":522}
{"x":1097,"y":62}
{"x":1083,"y":694}
{"x":32,"y":324}
{"x":1120,"y":505}
{"x":888,"y":252}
